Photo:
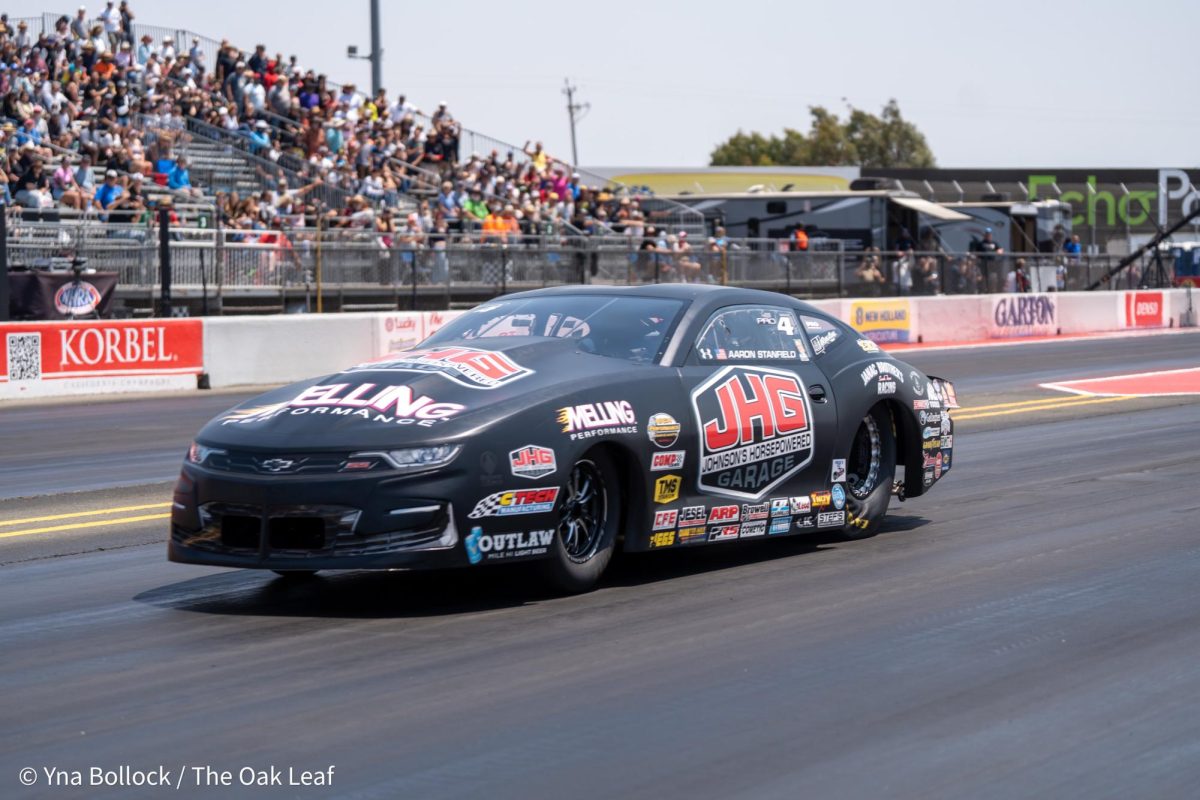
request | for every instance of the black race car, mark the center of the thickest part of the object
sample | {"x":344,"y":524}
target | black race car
{"x":562,"y":423}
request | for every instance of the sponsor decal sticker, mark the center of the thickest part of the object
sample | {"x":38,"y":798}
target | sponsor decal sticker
{"x":948,"y":442}
{"x":501,"y":546}
{"x":395,"y":405}
{"x":755,"y":430}
{"x":467,"y":366}
{"x":805,"y":522}
{"x":822,"y":340}
{"x":929,"y":477}
{"x":914,"y":382}
{"x":831,"y":519}
{"x":662,"y":539}
{"x":671,"y":459}
{"x":724,"y":533}
{"x":930,"y":433}
{"x":867,"y":345}
{"x":692,"y":515}
{"x":665,"y":519}
{"x":666,"y":488}
{"x":937,"y":466}
{"x":597,"y":419}
{"x":724,"y":514}
{"x":662,"y":429}
{"x":780,"y":507}
{"x":920,"y":404}
{"x":752,"y":529}
{"x":757,"y":511}
{"x":516,"y":501}
{"x":821,"y":499}
{"x":780,"y":525}
{"x":838,"y":473}
{"x":532,"y":461}
{"x":839,"y":496}
{"x":692,"y":533}
{"x":801,"y":505}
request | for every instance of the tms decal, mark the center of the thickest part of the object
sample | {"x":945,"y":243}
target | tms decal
{"x":532,"y":461}
{"x":663,"y":430}
{"x":516,"y":501}
{"x":501,"y":546}
{"x":662,"y":462}
{"x":665,"y":519}
{"x":755,"y":430}
{"x":476,"y":369}
{"x":597,"y":419}
{"x":666,"y":488}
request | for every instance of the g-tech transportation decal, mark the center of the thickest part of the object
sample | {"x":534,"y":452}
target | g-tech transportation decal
{"x":516,"y":501}
{"x":755,"y":430}
{"x":476,"y":369}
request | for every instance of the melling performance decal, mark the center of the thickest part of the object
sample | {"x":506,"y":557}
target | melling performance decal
{"x":755,"y":430}
{"x":476,"y":369}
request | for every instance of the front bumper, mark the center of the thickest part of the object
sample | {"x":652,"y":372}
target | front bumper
{"x":312,"y":523}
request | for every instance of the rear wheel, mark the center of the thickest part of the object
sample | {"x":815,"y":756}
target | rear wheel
{"x":587,"y":525}
{"x":295,"y":574}
{"x":870,"y":470}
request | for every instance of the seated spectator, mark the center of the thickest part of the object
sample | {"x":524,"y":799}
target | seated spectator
{"x":180,"y":179}
{"x":108,"y":193}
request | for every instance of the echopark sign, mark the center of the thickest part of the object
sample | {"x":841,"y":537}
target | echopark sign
{"x":57,"y":358}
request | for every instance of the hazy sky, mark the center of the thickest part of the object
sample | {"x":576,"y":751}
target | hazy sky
{"x":1099,"y":83}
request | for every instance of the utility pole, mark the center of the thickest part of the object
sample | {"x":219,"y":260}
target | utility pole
{"x":575,"y":112}
{"x":376,"y":54}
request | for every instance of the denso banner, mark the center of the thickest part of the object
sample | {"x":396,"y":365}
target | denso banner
{"x":406,"y":329}
{"x":1144,"y":310}
{"x":882,"y":320}
{"x":61,"y":358}
{"x":1023,"y":315}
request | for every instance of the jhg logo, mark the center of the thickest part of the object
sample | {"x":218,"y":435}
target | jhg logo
{"x":755,"y":430}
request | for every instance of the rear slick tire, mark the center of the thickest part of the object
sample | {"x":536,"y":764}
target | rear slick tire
{"x":586,"y":533}
{"x":870,"y":471}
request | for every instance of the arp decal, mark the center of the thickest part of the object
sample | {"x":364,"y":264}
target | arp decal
{"x":516,"y":501}
{"x":597,"y":419}
{"x":666,"y":488}
{"x":665,"y":519}
{"x":724,"y":514}
{"x":476,"y":369}
{"x":755,"y":430}
{"x":668,"y":460}
{"x":532,"y":461}
{"x":663,"y":430}
{"x":396,"y":405}
{"x":503,"y":546}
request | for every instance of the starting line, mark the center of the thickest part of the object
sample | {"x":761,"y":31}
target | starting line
{"x":1163,"y":383}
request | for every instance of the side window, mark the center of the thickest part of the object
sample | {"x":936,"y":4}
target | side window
{"x":751,"y":333}
{"x":822,"y":334}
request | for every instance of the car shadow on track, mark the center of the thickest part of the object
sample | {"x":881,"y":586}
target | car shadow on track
{"x":372,"y":595}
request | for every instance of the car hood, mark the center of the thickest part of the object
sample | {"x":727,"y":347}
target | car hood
{"x":423,"y":396}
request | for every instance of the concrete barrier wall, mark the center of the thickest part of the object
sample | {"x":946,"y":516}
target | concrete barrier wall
{"x":243,"y":351}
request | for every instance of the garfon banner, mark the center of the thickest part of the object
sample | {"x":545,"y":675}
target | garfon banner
{"x":60,"y":358}
{"x":882,"y":320}
{"x":1023,"y":315}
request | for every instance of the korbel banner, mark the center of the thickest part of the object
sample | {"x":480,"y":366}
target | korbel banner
{"x":62,"y":358}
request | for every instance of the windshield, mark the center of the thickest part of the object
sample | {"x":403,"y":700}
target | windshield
{"x":629,"y":328}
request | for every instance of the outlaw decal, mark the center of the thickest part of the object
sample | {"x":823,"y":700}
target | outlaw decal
{"x":755,"y":430}
{"x":502,"y":546}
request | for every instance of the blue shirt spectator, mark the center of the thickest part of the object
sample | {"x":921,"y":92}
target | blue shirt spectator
{"x":109,"y":191}
{"x":179,"y":177}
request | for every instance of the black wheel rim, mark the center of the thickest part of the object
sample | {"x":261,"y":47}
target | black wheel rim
{"x":863,"y":465}
{"x":584,"y":511}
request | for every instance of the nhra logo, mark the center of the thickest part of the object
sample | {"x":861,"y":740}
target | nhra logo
{"x":476,"y":369}
{"x":532,"y":461}
{"x":516,"y":501}
{"x":754,"y":430}
{"x":77,"y":299}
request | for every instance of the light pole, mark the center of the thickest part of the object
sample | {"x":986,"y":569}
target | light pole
{"x":376,"y":54}
{"x":575,"y":112}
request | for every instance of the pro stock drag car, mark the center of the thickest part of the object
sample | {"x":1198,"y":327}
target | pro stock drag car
{"x":562,"y":423}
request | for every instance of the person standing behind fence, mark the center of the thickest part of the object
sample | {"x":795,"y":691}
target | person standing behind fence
{"x":987,"y":250}
{"x":1017,"y":279}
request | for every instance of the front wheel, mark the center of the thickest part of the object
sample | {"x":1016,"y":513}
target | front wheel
{"x":588,"y":519}
{"x":870,"y":470}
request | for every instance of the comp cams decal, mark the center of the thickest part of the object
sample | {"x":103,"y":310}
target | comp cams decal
{"x":597,"y":419}
{"x":475,"y":369}
{"x":396,"y":405}
{"x":671,"y":459}
{"x":532,"y":461}
{"x":516,"y":501}
{"x":755,"y":430}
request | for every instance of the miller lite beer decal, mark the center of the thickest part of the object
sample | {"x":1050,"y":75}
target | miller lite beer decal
{"x":755,"y":430}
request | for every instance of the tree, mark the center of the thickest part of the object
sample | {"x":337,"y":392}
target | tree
{"x":864,"y":139}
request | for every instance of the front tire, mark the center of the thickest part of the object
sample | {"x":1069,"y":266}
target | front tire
{"x":589,"y":517}
{"x":870,"y":471}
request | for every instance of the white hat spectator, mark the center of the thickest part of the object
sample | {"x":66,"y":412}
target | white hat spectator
{"x":112,"y":173}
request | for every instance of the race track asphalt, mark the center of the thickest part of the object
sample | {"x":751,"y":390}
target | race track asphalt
{"x":1029,"y":629}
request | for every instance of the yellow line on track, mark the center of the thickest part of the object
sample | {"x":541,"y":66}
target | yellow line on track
{"x":1063,"y":404}
{"x":80,"y":525}
{"x":76,"y":514}
{"x":1057,"y":398}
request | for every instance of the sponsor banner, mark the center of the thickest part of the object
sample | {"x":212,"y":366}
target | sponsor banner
{"x":406,"y":329}
{"x":516,"y":501}
{"x":506,"y":546}
{"x":882,"y":320}
{"x":387,"y":405}
{"x":1023,"y":315}
{"x":466,"y":366}
{"x":755,"y":430}
{"x":661,"y":462}
{"x":41,"y":295}
{"x":532,"y":461}
{"x":1144,"y":310}
{"x":597,"y":419}
{"x":59,"y":358}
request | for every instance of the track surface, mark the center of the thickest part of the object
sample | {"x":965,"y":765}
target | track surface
{"x":1032,"y":628}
